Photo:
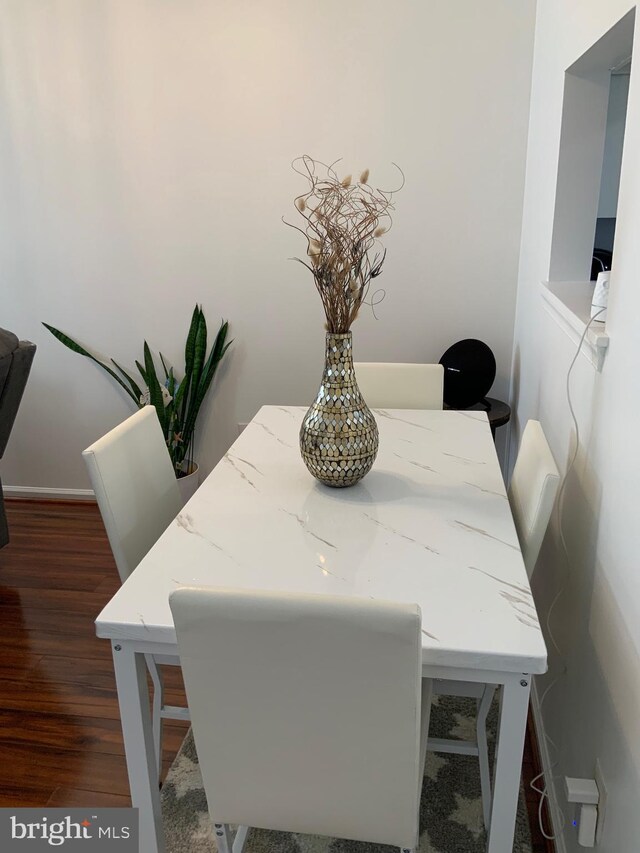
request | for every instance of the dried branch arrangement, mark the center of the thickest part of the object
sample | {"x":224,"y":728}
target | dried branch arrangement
{"x":343,"y":223}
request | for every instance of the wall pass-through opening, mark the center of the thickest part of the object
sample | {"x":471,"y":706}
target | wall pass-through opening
{"x":590,"y":157}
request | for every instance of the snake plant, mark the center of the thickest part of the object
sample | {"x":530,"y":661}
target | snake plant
{"x":177,"y":401}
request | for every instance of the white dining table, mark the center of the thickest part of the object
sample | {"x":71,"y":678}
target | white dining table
{"x":429,"y":524}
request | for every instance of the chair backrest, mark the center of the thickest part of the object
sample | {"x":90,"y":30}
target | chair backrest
{"x":16,"y":358}
{"x":305,"y":710}
{"x":532,"y":491}
{"x":400,"y":386}
{"x":135,"y":486}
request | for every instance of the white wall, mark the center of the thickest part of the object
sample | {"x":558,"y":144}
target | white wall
{"x":612,"y":161}
{"x":145,"y":152}
{"x":592,"y":711}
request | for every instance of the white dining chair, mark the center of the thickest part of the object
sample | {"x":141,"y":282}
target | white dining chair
{"x":532,"y":492}
{"x":309,"y":712}
{"x":400,"y":386}
{"x":138,"y":496}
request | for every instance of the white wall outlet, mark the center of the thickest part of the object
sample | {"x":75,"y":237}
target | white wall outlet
{"x":587,"y":825}
{"x":585,"y":793}
{"x":602,"y":801}
{"x":581,"y":790}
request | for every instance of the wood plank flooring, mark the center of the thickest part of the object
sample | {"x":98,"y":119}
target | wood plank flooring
{"x":60,"y":738}
{"x":59,"y":722}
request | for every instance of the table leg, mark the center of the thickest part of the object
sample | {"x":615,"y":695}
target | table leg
{"x":135,"y":716}
{"x":508,"y":763}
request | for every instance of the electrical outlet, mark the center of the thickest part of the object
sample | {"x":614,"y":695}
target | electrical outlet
{"x":602,"y":800}
{"x":588,"y":823}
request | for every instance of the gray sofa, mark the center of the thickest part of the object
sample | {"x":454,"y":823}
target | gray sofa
{"x":15,"y":363}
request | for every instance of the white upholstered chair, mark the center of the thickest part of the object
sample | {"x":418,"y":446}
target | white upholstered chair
{"x":309,"y":712}
{"x":138,"y":496}
{"x":400,"y":386}
{"x":532,"y":493}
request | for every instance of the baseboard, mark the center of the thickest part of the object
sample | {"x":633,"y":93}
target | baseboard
{"x":545,"y":758}
{"x":44,"y":493}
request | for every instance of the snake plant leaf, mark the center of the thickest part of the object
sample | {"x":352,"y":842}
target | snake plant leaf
{"x":189,"y":349}
{"x":155,"y":390}
{"x":75,"y":347}
{"x":215,"y":357}
{"x":171,"y":382}
{"x":179,"y":395}
{"x":189,"y":358}
{"x":200,"y":353}
{"x":164,"y":366}
{"x":217,"y":352}
{"x":142,"y":373}
{"x":134,"y":385}
{"x":200,"y":350}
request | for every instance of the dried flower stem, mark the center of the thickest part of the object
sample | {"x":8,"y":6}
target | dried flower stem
{"x":343,"y":221}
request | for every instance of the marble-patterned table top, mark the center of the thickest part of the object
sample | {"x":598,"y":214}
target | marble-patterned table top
{"x":429,"y":524}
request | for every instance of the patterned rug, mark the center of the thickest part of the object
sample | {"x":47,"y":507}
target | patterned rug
{"x":450,"y":809}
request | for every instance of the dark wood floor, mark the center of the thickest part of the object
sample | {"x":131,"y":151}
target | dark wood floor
{"x":60,"y":739}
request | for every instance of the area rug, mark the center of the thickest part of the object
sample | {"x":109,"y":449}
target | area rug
{"x":450,"y":809}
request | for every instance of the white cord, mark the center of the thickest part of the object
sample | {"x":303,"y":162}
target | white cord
{"x":563,"y":483}
{"x":544,"y":791}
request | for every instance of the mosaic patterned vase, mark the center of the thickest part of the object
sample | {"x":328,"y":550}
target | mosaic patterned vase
{"x":339,"y":435}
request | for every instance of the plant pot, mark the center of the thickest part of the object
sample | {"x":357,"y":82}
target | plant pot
{"x":189,"y":483}
{"x":339,"y":435}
